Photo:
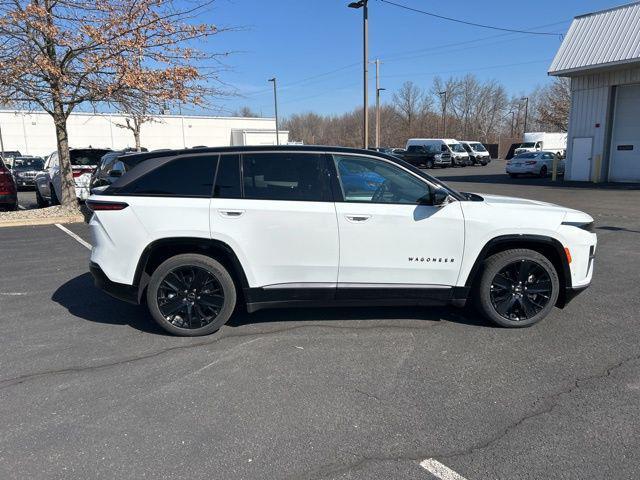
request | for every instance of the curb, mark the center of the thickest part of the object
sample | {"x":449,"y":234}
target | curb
{"x":25,"y":222}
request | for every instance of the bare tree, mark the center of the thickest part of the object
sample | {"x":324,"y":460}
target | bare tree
{"x":410,"y":103}
{"x":58,"y":54}
{"x":246,"y":112}
{"x":554,"y":104}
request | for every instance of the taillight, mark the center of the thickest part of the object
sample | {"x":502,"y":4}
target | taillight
{"x":81,"y":171}
{"x":97,"y":206}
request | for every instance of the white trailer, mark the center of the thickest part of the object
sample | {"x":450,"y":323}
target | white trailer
{"x":536,"y":141}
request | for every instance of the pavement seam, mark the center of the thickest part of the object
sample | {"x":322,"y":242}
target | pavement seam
{"x":334,"y":469}
{"x":7,"y":382}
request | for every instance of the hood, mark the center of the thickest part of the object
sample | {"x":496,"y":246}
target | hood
{"x":525,"y":204}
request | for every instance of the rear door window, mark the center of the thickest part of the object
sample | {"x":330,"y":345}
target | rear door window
{"x":228,"y":177}
{"x":285,"y":176}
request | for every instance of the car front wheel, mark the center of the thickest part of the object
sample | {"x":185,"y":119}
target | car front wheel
{"x":42,"y":203}
{"x":191,"y":295}
{"x":517,"y":288}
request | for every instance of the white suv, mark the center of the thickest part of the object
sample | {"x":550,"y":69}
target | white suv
{"x":194,"y":233}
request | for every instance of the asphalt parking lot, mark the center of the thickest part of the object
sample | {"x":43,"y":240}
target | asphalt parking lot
{"x":90,"y":388}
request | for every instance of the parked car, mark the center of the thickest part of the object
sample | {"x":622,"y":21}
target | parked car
{"x":8,"y":190}
{"x":456,"y":151}
{"x":8,"y":156}
{"x":191,"y":234}
{"x":25,"y":169}
{"x":426,"y":156}
{"x":533,"y":163}
{"x":112,"y":166}
{"x":83,"y":162}
{"x":477,"y":152}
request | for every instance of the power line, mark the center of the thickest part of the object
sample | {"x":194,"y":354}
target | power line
{"x":473,"y":24}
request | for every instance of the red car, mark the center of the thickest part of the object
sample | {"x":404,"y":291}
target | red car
{"x":8,"y":191}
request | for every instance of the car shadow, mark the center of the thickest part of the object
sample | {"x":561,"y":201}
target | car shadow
{"x":83,"y":300}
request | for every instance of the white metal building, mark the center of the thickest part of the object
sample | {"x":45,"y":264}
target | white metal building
{"x":32,"y":133}
{"x":601,"y":56}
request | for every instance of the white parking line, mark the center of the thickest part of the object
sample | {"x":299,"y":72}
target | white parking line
{"x":74,"y":236}
{"x":439,"y":470}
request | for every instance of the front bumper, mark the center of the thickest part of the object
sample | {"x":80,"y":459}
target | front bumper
{"x":127,"y":293}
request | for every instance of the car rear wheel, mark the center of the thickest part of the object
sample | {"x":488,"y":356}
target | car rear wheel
{"x":543,"y":171}
{"x":191,"y":295}
{"x":42,"y":203}
{"x":517,"y":288}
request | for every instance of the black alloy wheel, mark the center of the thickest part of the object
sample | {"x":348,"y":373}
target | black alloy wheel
{"x":191,"y":294}
{"x":517,"y":287}
{"x":520,"y":290}
{"x":190,"y":297}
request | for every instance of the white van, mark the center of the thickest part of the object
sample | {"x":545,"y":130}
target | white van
{"x":459,"y":156}
{"x":477,"y":152}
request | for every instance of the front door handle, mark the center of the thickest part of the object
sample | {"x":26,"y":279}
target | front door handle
{"x":358,"y":218}
{"x":231,"y":213}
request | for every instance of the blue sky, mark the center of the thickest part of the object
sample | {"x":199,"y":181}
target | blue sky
{"x":314,"y":47}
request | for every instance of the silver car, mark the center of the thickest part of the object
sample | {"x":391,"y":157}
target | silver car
{"x":534,"y":163}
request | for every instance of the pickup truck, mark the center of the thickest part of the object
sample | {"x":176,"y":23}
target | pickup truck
{"x":425,"y":157}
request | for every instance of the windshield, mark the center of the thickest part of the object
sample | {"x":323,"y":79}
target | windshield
{"x":87,"y":157}
{"x":457,"y":147}
{"x":478,"y":147}
{"x":527,"y":145}
{"x":34,"y":163}
{"x":527,"y":155}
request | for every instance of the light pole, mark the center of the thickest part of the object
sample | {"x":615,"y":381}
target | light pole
{"x":526,"y":112}
{"x":378,"y":90}
{"x":275,"y":105}
{"x":444,"y":113}
{"x":365,"y":54}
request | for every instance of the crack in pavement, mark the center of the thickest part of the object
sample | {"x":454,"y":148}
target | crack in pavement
{"x":335,"y":469}
{"x":8,"y":382}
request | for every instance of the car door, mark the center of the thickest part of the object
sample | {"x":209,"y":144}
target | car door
{"x":275,"y":210}
{"x":391,"y":236}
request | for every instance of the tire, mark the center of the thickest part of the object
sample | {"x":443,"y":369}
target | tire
{"x":429,"y":164}
{"x":543,"y":171}
{"x":42,"y":203}
{"x":513,"y":175}
{"x":179,"y":322}
{"x":503,"y":292}
{"x":54,"y":198}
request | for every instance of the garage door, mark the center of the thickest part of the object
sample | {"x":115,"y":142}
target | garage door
{"x":625,"y":137}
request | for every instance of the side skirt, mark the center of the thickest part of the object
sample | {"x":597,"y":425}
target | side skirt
{"x":333,"y":295}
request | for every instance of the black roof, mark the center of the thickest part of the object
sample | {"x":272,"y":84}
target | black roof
{"x":258,"y":148}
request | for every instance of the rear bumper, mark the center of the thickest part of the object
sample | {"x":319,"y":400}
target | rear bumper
{"x":121,"y":291}
{"x":8,"y":199}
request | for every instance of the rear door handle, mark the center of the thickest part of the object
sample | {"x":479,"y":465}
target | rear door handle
{"x":231,"y":213}
{"x":358,"y":218}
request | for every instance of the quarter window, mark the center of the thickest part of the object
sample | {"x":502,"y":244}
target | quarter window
{"x":375,"y":181}
{"x":181,"y":177}
{"x":285,"y":176}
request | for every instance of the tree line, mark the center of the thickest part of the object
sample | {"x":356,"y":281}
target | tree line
{"x":470,"y":110}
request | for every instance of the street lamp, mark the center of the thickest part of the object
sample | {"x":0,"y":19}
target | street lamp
{"x":275,"y":104}
{"x":526,"y":112}
{"x":365,"y":53}
{"x":444,"y":113}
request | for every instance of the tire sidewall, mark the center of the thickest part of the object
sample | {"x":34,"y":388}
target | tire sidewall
{"x":498,"y":261}
{"x":196,"y":260}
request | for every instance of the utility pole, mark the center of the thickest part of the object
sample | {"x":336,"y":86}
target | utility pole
{"x":365,"y":54}
{"x":378,"y":90}
{"x":513,"y":118}
{"x":526,"y":112}
{"x":275,"y":104}
{"x":444,"y":114}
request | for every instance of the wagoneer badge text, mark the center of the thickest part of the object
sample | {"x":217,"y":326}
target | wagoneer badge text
{"x":431,"y":259}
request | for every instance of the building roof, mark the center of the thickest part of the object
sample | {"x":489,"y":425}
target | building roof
{"x":604,"y":39}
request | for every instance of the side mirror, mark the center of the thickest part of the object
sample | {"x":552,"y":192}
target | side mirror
{"x":439,"y":198}
{"x":118,"y":169}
